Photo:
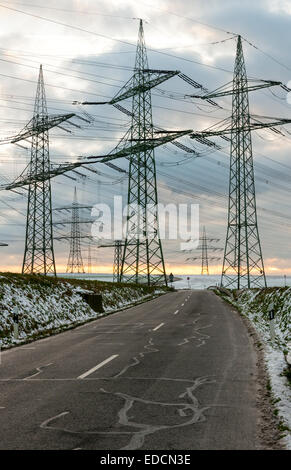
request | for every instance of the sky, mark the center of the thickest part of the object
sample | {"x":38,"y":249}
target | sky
{"x":87,"y":49}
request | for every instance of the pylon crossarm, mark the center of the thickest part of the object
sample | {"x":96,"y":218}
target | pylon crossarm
{"x":236,"y":129}
{"x":126,"y":140}
{"x":43,"y":125}
{"x":26,"y":179}
{"x":257,"y":85}
{"x":128,"y":90}
{"x":214,"y":248}
{"x":140,"y":146}
{"x":110,"y":245}
{"x":212,"y":239}
{"x":68,"y":208}
{"x":69,"y":237}
{"x":181,"y":146}
{"x":65,"y":222}
{"x":100,"y":173}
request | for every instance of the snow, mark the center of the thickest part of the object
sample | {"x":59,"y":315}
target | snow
{"x":47,"y":306}
{"x":280,"y":389}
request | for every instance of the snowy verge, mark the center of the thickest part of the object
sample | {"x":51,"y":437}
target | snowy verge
{"x":256,"y":305}
{"x":48,"y":305}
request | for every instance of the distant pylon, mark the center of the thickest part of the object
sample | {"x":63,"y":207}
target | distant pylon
{"x":75,"y":261}
{"x":142,"y":259}
{"x":243,"y":261}
{"x":89,"y":258}
{"x":39,"y":251}
{"x":205,"y":250}
{"x":204,"y":266}
{"x":117,"y":260}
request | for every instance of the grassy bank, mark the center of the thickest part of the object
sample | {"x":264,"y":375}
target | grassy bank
{"x":47,"y":305}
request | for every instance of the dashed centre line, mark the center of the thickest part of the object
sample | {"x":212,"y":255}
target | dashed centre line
{"x":109,"y":359}
{"x":159,"y":326}
{"x":177,"y":311}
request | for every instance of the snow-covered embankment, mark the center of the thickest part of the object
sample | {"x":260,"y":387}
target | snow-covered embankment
{"x":46,"y":305}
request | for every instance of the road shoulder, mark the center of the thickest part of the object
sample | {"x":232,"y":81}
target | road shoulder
{"x":269,"y":436}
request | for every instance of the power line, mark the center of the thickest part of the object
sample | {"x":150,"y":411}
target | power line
{"x":187,"y":18}
{"x":87,"y":12}
{"x":110,"y":38}
{"x":267,"y":55}
{"x":47,"y":84}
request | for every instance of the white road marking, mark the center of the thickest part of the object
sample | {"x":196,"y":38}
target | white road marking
{"x":159,"y":326}
{"x":98,"y":366}
{"x":177,"y":311}
{"x":182,"y":305}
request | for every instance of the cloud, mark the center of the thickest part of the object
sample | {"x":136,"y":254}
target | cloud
{"x":79,"y":65}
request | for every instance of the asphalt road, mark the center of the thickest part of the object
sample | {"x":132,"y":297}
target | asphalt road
{"x":178,"y":372}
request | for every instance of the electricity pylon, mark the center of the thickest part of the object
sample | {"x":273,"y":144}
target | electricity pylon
{"x":142,"y":259}
{"x":205,"y":248}
{"x":92,"y":256}
{"x":204,"y":266}
{"x":243,"y":264}
{"x":117,"y":261}
{"x":89,"y":257}
{"x":75,"y":261}
{"x":39,"y":255}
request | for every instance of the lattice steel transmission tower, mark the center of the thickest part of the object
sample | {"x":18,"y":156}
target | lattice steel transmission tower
{"x":117,"y":245}
{"x":204,"y":265}
{"x":205,"y":249}
{"x":117,"y":262}
{"x":75,"y":261}
{"x":39,"y":250}
{"x":142,"y":259}
{"x":89,"y":258}
{"x":243,"y":264}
